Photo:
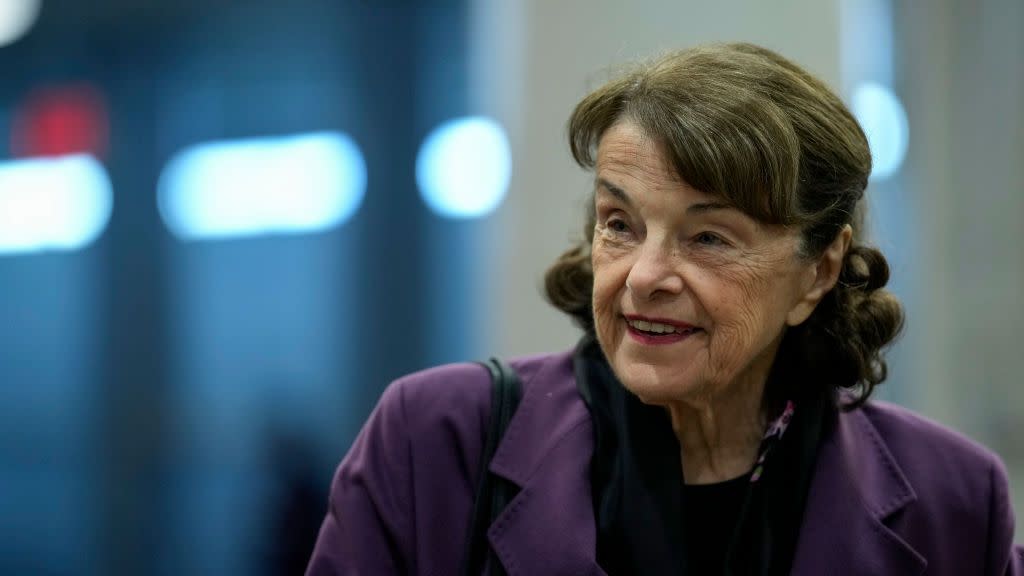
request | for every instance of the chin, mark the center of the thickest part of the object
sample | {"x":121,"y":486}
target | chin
{"x":654,"y":385}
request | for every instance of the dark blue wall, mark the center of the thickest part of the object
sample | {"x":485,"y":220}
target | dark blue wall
{"x":173,"y":407}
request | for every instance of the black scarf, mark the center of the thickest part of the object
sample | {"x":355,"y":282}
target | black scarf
{"x":637,"y":479}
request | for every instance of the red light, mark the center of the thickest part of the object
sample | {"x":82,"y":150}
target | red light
{"x":61,"y":120}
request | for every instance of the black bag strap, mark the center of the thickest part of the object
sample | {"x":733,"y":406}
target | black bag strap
{"x":493,"y":493}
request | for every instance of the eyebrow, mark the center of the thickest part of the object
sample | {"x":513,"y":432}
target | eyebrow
{"x":698,"y":208}
{"x":705,"y":207}
{"x":615,"y":191}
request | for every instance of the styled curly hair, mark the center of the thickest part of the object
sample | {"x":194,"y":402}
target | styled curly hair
{"x":743,"y":123}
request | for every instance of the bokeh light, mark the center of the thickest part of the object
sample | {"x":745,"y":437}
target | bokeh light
{"x":16,"y":18}
{"x":61,"y":120}
{"x":287,"y":185}
{"x":884,"y":121}
{"x":464,"y":167}
{"x":61,"y":203}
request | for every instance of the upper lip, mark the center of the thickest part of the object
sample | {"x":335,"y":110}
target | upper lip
{"x":673,"y":323}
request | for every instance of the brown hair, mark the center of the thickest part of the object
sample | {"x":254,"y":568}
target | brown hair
{"x":743,"y":123}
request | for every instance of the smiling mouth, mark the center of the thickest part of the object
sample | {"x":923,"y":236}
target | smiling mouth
{"x":659,"y":329}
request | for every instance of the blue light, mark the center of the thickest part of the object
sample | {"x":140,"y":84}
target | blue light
{"x":885,"y":124}
{"x":288,"y":185}
{"x":60,"y":204}
{"x":16,"y":18}
{"x":464,"y":167}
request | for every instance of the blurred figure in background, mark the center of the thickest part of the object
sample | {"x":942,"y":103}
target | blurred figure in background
{"x":297,"y":504}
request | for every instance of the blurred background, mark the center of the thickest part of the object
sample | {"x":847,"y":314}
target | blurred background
{"x":226,"y":226}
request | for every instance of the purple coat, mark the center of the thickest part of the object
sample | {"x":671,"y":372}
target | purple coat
{"x":892,"y":493}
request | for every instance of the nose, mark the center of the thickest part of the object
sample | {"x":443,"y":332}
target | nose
{"x":654,"y":273}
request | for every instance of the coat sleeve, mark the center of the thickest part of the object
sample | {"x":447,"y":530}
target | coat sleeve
{"x":1005,"y":558}
{"x":368,"y":526}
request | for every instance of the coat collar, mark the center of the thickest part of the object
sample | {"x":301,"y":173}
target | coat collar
{"x":857,"y":485}
{"x":549,"y":526}
{"x":549,"y":410}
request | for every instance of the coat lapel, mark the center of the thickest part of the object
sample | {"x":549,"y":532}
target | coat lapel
{"x":548,"y":528}
{"x":856,"y":487}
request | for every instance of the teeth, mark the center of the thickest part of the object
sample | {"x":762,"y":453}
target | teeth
{"x":662,"y":328}
{"x":654,"y":327}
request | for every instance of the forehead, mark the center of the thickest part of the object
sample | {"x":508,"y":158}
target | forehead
{"x":624,"y":146}
{"x":628,"y":158}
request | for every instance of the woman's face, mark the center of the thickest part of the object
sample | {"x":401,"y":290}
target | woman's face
{"x":691,"y":296}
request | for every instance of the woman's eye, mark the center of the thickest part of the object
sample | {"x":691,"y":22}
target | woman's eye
{"x":617,"y":225}
{"x":708,"y":239}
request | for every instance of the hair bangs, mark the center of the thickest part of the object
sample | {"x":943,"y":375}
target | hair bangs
{"x":733,"y":144}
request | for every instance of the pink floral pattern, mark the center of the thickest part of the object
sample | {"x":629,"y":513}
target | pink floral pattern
{"x":772,"y":435}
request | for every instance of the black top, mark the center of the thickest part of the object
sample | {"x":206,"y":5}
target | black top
{"x":645,"y":524}
{"x":712,"y":513}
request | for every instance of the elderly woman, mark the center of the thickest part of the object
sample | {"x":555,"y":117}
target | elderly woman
{"x":714,"y":418}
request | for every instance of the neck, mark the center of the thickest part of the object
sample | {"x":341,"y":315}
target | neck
{"x":720,"y":434}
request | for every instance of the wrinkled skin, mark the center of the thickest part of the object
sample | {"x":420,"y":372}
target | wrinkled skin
{"x":663,"y":249}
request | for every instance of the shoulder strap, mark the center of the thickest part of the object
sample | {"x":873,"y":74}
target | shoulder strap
{"x":493,"y":493}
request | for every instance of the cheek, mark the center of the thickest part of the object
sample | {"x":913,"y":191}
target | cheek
{"x":608,"y":283}
{"x":741,"y":303}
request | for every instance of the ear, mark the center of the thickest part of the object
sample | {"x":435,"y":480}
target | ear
{"x":822,"y":277}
